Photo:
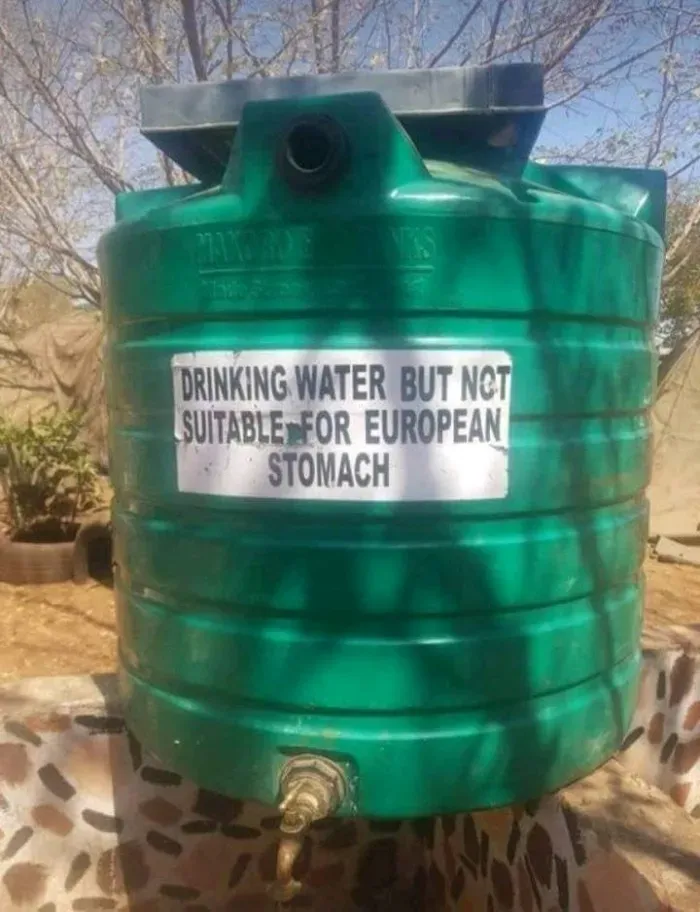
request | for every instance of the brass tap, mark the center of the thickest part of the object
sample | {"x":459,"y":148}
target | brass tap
{"x":311,"y":788}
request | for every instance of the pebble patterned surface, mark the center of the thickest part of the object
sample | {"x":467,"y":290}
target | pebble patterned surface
{"x":89,"y":822}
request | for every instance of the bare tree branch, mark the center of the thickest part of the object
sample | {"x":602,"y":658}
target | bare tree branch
{"x":665,"y":102}
{"x":577,"y":35}
{"x":335,"y":35}
{"x":599,"y":78}
{"x":319,"y":56}
{"x":71,"y":70}
{"x":686,"y":166}
{"x":456,"y":34}
{"x":189,"y":21}
{"x":682,"y":237}
{"x":493,"y":34}
{"x":225,"y":11}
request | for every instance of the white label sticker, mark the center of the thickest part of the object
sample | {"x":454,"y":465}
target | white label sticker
{"x":361,"y":425}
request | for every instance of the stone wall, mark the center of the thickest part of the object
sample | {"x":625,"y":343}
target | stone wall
{"x":89,"y":822}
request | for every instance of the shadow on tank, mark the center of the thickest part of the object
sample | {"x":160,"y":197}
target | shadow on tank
{"x":424,"y":577}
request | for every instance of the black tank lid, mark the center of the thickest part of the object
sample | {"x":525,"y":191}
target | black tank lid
{"x":194,"y":124}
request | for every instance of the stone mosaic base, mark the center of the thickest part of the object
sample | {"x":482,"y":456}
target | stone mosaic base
{"x":663,"y":744}
{"x":609,"y":843}
{"x":89,"y":822}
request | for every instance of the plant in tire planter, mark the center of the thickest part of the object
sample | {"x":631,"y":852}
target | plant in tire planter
{"x":48,"y":480}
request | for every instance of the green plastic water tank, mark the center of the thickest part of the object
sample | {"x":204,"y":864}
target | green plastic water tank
{"x":379,"y":390}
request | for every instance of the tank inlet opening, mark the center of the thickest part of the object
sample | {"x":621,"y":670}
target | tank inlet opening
{"x":313,"y":153}
{"x":311,"y":788}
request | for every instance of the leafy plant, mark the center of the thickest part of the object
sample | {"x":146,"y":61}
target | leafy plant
{"x":47,"y":476}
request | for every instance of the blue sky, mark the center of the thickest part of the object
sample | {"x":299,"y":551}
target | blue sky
{"x":563,"y":128}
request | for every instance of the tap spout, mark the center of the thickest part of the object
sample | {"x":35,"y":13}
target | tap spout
{"x":311,"y":788}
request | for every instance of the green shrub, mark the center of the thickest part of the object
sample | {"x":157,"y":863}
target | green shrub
{"x":47,"y":476}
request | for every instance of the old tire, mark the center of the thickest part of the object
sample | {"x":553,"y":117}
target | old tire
{"x":27,"y":562}
{"x":88,"y":532}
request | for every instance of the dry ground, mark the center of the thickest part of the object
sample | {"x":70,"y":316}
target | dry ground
{"x":56,"y":629}
{"x":67,"y":629}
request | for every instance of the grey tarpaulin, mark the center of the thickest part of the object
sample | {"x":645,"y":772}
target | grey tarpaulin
{"x":57,"y":364}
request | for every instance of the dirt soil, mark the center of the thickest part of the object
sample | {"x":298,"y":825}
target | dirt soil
{"x":58,"y":629}
{"x":673,"y":594}
{"x":67,"y":629}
